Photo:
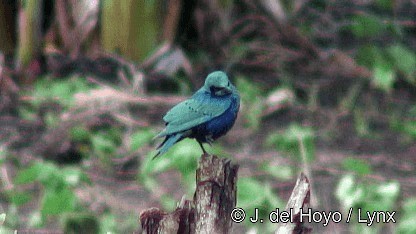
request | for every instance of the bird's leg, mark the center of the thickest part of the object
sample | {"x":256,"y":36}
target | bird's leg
{"x":202,"y":147}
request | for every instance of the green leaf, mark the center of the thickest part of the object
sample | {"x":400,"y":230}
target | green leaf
{"x":273,"y":200}
{"x":73,"y":176}
{"x":57,"y":202}
{"x":409,"y":127}
{"x":293,"y":139}
{"x":19,"y":198}
{"x":384,"y":75}
{"x":61,"y":91}
{"x":52,"y":119}
{"x":250,"y":97}
{"x":50,"y":175}
{"x":367,"y":26}
{"x":368,"y":55}
{"x":26,"y":113}
{"x":249,"y":193}
{"x":409,"y":206}
{"x":358,"y":166}
{"x":407,"y":224}
{"x":35,"y":220}
{"x":168,"y":202}
{"x":79,"y":133}
{"x":150,"y":166}
{"x":404,"y":60}
{"x":185,"y":156}
{"x":282,"y":172}
{"x":140,"y":138}
{"x":385,"y":4}
{"x":109,"y":223}
{"x":388,"y":192}
{"x":102,"y":143}
{"x":29,"y":175}
{"x":77,"y":222}
{"x":182,"y":156}
{"x":348,"y":192}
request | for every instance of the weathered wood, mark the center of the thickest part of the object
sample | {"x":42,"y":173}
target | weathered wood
{"x":215,"y":195}
{"x":209,"y":212}
{"x":300,"y":198}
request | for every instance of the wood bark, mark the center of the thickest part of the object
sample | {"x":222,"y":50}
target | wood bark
{"x":300,"y":198}
{"x":214,"y":199}
{"x":210,"y":210}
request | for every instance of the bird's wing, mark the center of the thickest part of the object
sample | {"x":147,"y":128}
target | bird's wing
{"x":192,"y":112}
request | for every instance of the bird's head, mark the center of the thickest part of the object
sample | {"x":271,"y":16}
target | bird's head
{"x":218,"y":84}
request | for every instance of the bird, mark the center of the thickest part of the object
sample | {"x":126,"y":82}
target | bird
{"x":207,"y":115}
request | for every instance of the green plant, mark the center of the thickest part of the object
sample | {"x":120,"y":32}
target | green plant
{"x":365,"y":197}
{"x":406,"y":126}
{"x":252,"y":194}
{"x":407,"y":224}
{"x":140,"y":138}
{"x":294,"y":141}
{"x":61,"y":91}
{"x":77,"y":222}
{"x":358,"y":166}
{"x":281,"y":172}
{"x":182,"y":157}
{"x":49,"y":92}
{"x":252,"y":102}
{"x":104,"y":144}
{"x":57,"y":183}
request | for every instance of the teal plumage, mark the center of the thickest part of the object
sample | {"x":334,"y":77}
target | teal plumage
{"x":206,"y":116}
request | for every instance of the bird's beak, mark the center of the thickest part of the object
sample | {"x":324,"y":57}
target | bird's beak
{"x":228,"y":90}
{"x":224,"y":91}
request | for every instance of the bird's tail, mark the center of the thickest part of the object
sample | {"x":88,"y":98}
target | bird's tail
{"x":169,"y":141}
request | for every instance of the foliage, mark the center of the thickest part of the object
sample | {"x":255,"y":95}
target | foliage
{"x":385,"y":61}
{"x":362,"y":195}
{"x":58,"y":196}
{"x":358,"y":166}
{"x":407,"y":223}
{"x":47,"y":92}
{"x":280,"y":172}
{"x":104,"y":144}
{"x":264,"y":200}
{"x":141,"y":138}
{"x":80,"y":222}
{"x":292,"y":140}
{"x":252,"y":102}
{"x":58,"y":90}
{"x":408,"y":126}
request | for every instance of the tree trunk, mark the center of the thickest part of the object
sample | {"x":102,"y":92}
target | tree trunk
{"x":210,"y":210}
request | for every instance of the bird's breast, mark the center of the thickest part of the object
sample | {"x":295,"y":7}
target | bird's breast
{"x":220,"y":125}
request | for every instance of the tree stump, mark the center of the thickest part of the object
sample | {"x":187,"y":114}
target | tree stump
{"x":210,"y":210}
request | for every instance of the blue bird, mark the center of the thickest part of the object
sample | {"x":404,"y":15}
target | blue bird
{"x":206,"y":116}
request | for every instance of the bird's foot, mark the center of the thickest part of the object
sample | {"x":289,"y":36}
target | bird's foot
{"x":209,"y":140}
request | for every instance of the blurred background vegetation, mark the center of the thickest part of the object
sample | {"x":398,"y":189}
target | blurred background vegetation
{"x":328,"y":88}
